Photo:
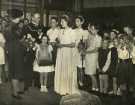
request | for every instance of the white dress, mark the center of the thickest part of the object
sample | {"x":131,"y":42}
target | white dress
{"x":133,"y":54}
{"x":42,"y":69}
{"x":91,"y":59}
{"x":80,"y":33}
{"x":65,"y":71}
{"x":53,"y":34}
{"x":2,"y":51}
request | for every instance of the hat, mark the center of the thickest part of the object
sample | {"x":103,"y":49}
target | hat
{"x":14,"y":13}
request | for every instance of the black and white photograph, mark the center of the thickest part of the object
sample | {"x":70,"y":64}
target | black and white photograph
{"x":67,"y":52}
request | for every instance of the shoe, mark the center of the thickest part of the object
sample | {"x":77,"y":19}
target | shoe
{"x":119,"y":92}
{"x":96,"y":89}
{"x":21,"y":92}
{"x":111,"y":92}
{"x":45,"y":89}
{"x":80,"y":83}
{"x":93,"y":89}
{"x":18,"y":97}
{"x":42,"y":89}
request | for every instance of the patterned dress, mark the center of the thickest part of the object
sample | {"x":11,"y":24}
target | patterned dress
{"x":65,"y":71}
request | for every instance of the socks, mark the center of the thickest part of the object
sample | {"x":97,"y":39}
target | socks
{"x":43,"y":88}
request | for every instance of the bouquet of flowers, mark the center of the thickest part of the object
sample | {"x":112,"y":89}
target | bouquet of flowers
{"x":29,"y":42}
{"x":81,"y":45}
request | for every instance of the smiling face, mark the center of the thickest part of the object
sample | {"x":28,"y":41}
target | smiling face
{"x":115,"y":42}
{"x":105,"y":44}
{"x":64,"y":23}
{"x":78,"y":22}
{"x":92,"y":29}
{"x":44,"y":40}
{"x":112,"y":35}
{"x":53,"y":23}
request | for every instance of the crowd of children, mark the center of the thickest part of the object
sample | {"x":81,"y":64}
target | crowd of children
{"x":66,"y":51}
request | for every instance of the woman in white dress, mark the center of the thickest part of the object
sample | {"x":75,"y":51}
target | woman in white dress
{"x":2,"y":53}
{"x":93,"y":44}
{"x":81,"y":37}
{"x":65,"y":71}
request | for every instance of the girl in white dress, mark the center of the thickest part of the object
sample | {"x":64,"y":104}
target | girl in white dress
{"x":81,"y":37}
{"x":2,"y":54}
{"x":65,"y":71}
{"x":93,"y":44}
{"x":43,"y":62}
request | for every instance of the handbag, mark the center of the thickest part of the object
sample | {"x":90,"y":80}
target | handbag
{"x":44,"y":57}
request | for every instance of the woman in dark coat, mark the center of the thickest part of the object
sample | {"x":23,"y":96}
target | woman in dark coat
{"x":15,"y":51}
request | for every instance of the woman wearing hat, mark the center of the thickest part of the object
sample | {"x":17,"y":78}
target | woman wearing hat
{"x":15,"y":51}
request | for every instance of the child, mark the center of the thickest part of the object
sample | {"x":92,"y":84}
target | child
{"x":91,"y":59}
{"x":124,"y":68}
{"x":81,"y":37}
{"x":2,"y":55}
{"x":43,"y":62}
{"x":104,"y":61}
{"x":112,"y":69}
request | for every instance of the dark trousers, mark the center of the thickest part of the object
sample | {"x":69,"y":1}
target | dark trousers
{"x":80,"y":75}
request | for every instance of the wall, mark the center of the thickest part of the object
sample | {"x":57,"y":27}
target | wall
{"x":107,"y":3}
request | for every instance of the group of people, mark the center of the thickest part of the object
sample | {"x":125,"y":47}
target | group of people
{"x":72,"y":53}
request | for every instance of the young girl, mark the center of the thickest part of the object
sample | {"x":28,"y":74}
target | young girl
{"x":114,"y":61}
{"x":81,"y":37}
{"x":91,"y":59}
{"x":2,"y":54}
{"x":43,"y":62}
{"x":104,"y":61}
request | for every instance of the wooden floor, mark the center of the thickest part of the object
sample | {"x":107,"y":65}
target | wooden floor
{"x":32,"y":97}
{"x":35,"y":97}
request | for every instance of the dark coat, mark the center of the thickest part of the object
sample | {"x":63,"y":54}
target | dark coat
{"x":15,"y":51}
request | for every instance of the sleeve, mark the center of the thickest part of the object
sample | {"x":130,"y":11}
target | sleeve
{"x":37,"y":51}
{"x":99,"y":40}
{"x":2,"y":39}
{"x":73,"y":37}
{"x":59,"y":35}
{"x":86,"y":34}
{"x":108,"y":62}
{"x":50,"y":48}
{"x":133,"y":53}
{"x":47,"y":32}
